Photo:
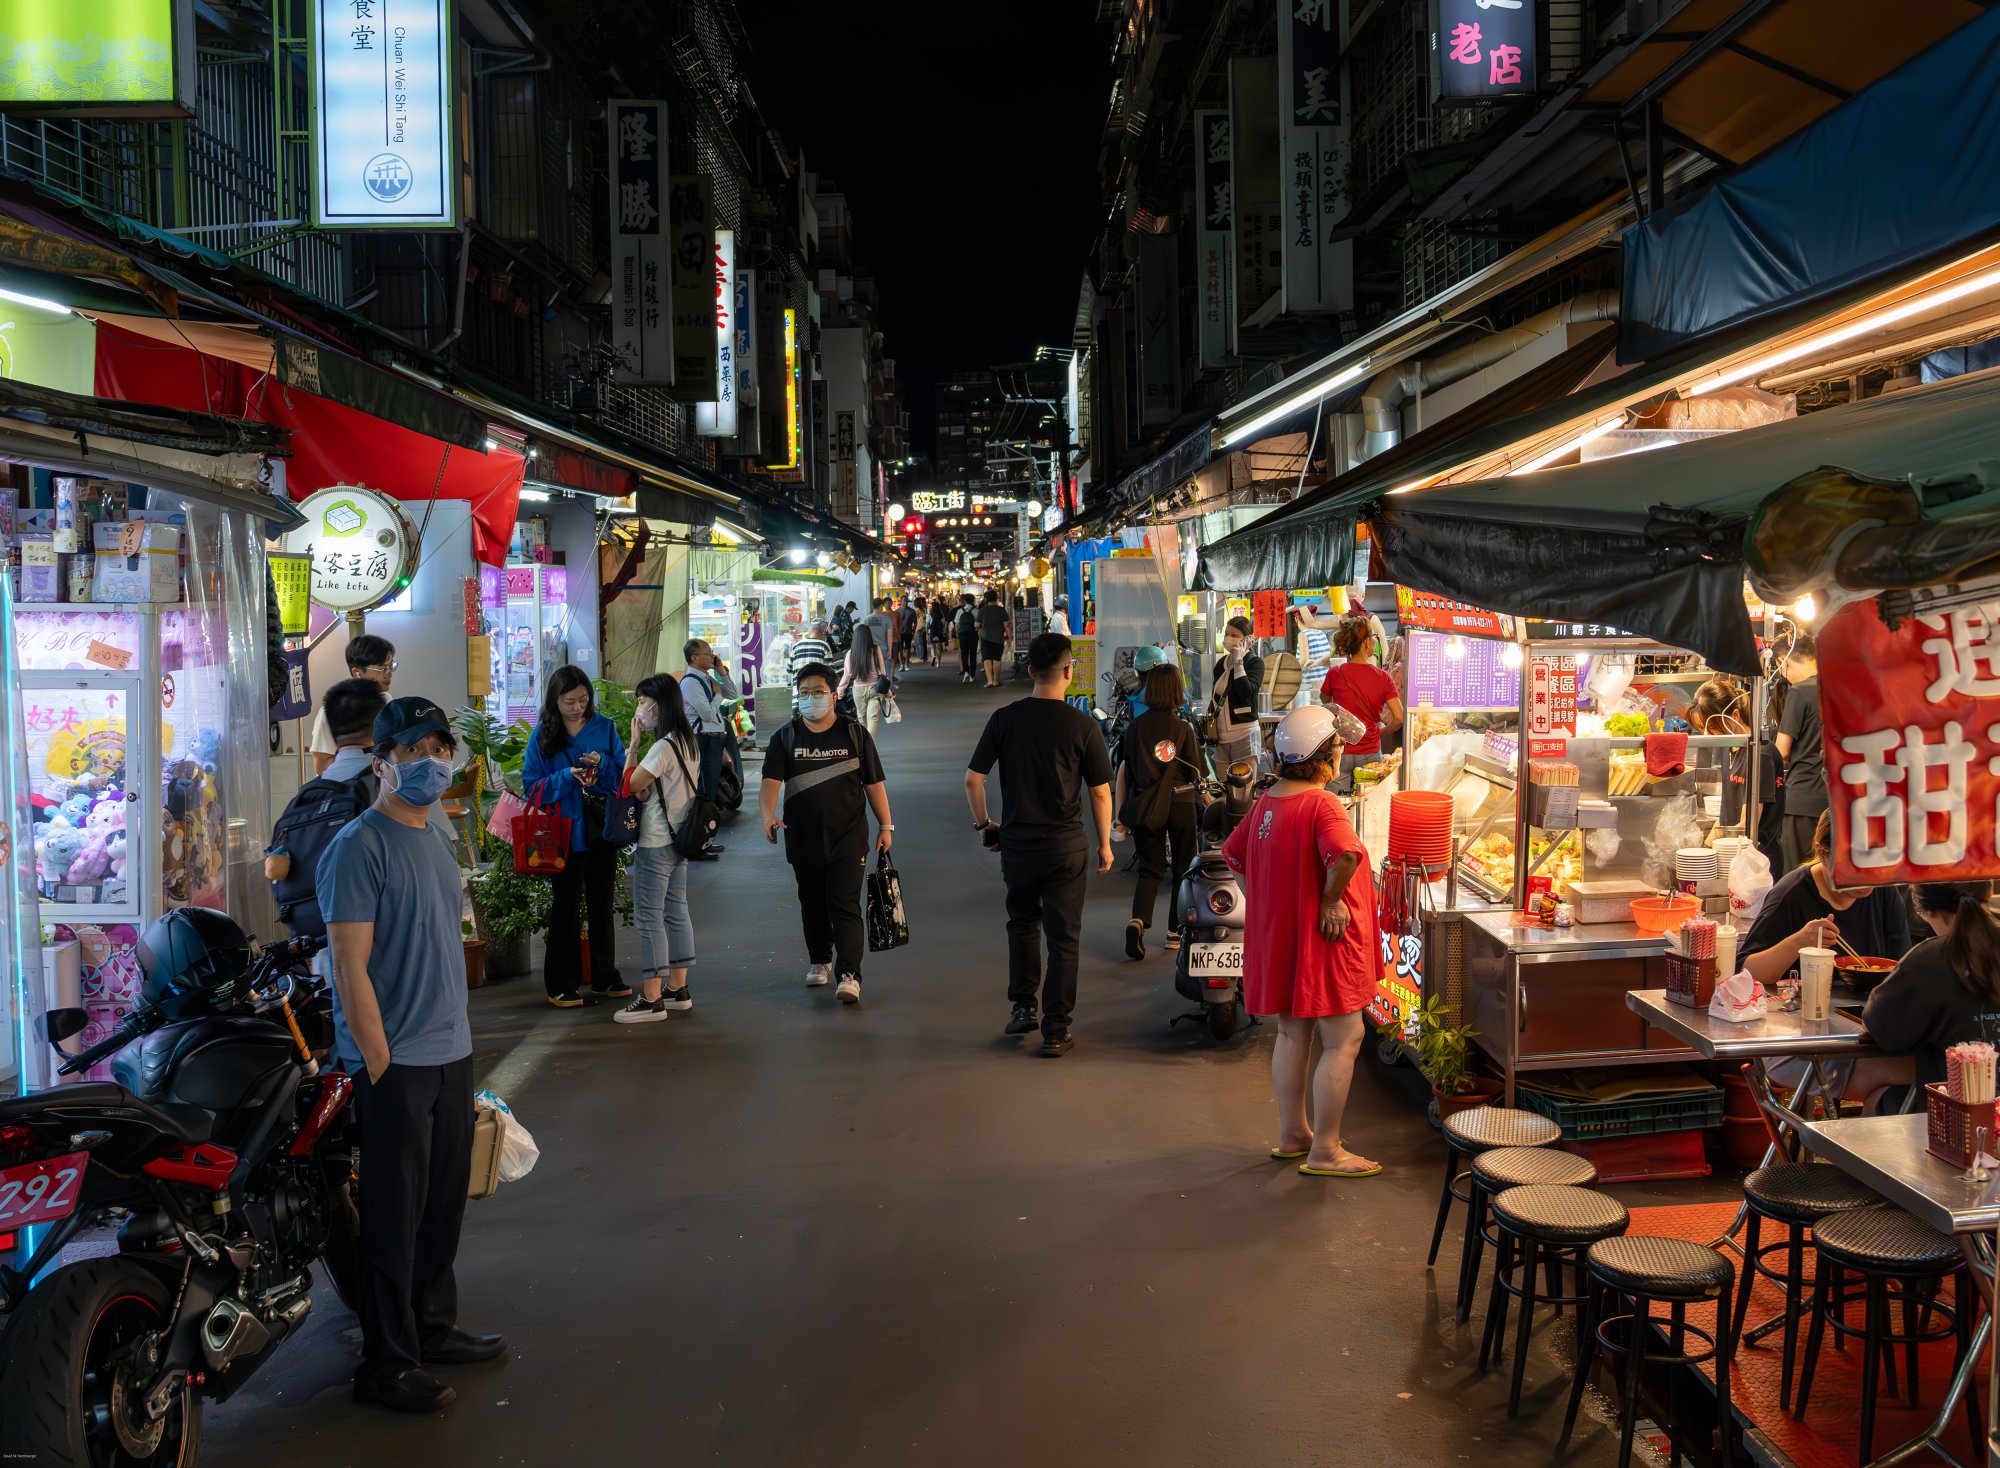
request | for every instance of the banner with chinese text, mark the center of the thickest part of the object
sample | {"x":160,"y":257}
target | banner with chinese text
{"x":642,"y":332}
{"x":691,"y":216}
{"x":1911,"y":729}
{"x":1318,"y":272}
{"x":1487,"y":49}
{"x":1213,"y":263}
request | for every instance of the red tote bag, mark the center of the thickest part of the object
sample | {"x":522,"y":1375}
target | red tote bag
{"x":541,"y":837}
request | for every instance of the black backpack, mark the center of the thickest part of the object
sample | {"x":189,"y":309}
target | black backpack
{"x":1152,"y":809}
{"x":315,"y":816}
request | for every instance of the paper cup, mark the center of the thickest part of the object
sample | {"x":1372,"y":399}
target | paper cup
{"x":1725,"y":951}
{"x":1815,"y":982}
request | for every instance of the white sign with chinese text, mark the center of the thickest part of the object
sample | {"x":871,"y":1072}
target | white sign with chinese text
{"x":718,"y":419}
{"x":383,"y":154}
{"x":361,"y":547}
{"x":1318,"y":271}
{"x":936,"y":501}
{"x":642,"y":328}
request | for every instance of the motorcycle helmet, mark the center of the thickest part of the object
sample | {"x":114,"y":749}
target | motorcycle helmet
{"x":1314,"y":732}
{"x":193,"y":959}
{"x":1148,"y":658}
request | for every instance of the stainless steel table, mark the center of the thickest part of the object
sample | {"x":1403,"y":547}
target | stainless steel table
{"x":1887,"y":1153}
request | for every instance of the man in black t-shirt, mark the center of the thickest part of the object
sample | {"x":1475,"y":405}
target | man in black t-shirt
{"x":1048,"y":753}
{"x":826,"y":768}
{"x":1799,"y":745}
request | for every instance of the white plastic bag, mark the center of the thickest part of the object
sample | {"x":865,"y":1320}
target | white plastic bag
{"x":518,"y":1152}
{"x":1738,"y":999}
{"x":892,"y":711}
{"x":1749,"y":883}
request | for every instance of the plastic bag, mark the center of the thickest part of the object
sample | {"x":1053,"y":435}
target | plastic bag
{"x":1749,"y":884}
{"x":892,"y":711}
{"x":1678,"y":826}
{"x":1738,"y":999}
{"x":1603,"y":844}
{"x":518,"y":1152}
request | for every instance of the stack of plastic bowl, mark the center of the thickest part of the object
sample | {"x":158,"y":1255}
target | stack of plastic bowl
{"x":1694,"y":865}
{"x":1420,"y":829}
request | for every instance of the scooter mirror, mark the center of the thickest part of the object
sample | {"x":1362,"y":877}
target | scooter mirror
{"x":59,"y":1025}
{"x":1166,"y":751}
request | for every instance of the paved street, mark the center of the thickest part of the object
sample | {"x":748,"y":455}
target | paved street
{"x":774,"y":1230}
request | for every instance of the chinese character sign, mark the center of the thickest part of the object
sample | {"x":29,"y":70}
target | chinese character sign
{"x":1318,"y":270}
{"x":1552,"y":694}
{"x":382,"y":131}
{"x":358,"y":544}
{"x":1912,"y":740}
{"x":718,"y":419}
{"x":642,"y":328}
{"x":1213,"y":262}
{"x":691,"y":216}
{"x":1487,"y":49}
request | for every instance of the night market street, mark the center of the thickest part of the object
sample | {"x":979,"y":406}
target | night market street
{"x":778,"y":1230}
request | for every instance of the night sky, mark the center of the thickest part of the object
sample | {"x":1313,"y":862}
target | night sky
{"x":966,"y":142}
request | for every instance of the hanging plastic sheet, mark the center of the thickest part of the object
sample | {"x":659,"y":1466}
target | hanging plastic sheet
{"x":20,"y":916}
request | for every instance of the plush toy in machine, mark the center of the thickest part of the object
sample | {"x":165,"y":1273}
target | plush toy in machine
{"x":76,"y":809}
{"x":116,"y":846}
{"x":93,"y":862}
{"x":56,"y":850}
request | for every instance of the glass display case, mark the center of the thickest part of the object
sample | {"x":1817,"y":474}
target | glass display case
{"x":528,"y":617}
{"x":20,"y":917}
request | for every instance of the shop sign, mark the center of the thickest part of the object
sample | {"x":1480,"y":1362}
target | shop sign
{"x":1441,"y":614}
{"x":936,"y":501}
{"x":1911,"y":730}
{"x":691,"y":217}
{"x":718,"y":419}
{"x":1486,"y":49}
{"x":1082,"y":668}
{"x":642,"y":329}
{"x":1272,"y":609}
{"x":791,"y":431}
{"x":1480,"y":679}
{"x":1212,"y":259}
{"x":99,"y":58}
{"x":1399,"y":987}
{"x":1536,"y":630}
{"x":1552,"y":694}
{"x":382,"y":129}
{"x":1257,"y":214}
{"x":291,"y":575}
{"x":1318,"y":271}
{"x":845,"y":480}
{"x":360,"y":547}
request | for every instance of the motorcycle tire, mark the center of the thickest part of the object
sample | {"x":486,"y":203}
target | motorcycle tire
{"x":343,"y":1247}
{"x":56,"y":1372}
{"x":1222,"y":1019}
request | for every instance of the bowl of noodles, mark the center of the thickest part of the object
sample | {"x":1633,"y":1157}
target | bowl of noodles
{"x":1863,"y":974}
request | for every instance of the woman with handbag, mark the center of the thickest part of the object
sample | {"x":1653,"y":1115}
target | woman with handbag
{"x":1238,"y":677}
{"x":866,"y":677}
{"x":664,"y":783}
{"x":575,"y":753}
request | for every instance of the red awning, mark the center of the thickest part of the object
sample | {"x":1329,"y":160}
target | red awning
{"x":331,"y":443}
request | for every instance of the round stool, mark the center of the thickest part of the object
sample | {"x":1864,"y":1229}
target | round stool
{"x":1645,"y":1270}
{"x":1797,"y":1195}
{"x":1467,"y":1134}
{"x":1531,"y":1221}
{"x":1886,"y":1246}
{"x":1495,"y":1172}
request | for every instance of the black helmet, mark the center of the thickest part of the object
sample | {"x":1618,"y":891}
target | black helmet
{"x":193,"y":958}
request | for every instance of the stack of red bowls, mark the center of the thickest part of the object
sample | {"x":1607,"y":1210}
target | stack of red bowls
{"x":1420,"y":828}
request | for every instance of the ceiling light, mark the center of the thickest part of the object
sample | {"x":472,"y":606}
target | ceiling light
{"x":825,"y":559}
{"x":492,"y":444}
{"x":798,"y":555}
{"x":1307,"y":398}
{"x":40,"y":303}
{"x":1542,"y":461}
{"x":1510,"y":655}
{"x":1454,"y":648}
{"x":1805,"y":609}
{"x":731,"y":534}
{"x":535,"y":496}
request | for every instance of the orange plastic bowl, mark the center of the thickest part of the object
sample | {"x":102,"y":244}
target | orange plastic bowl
{"x":1660,"y":915}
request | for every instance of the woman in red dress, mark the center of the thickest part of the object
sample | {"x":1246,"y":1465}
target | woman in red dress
{"x":1311,"y":954}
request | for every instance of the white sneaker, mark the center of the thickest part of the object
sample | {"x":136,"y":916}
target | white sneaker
{"x":819,"y":976}
{"x":849,"y":991}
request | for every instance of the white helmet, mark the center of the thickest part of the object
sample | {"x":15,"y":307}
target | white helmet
{"x":1304,"y":732}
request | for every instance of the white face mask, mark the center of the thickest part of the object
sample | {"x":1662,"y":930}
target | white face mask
{"x":816,"y":705}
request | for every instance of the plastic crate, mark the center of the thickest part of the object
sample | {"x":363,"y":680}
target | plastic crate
{"x":1645,"y":1159}
{"x":1587,"y":1120}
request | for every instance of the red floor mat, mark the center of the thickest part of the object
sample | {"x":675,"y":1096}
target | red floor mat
{"x":1830,"y":1436}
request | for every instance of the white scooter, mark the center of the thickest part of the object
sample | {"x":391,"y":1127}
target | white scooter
{"x":1209,"y":970}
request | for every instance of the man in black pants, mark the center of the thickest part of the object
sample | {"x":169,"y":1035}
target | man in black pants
{"x":1048,"y":753}
{"x":967,"y":629}
{"x":826,"y":767}
{"x":401,"y":1031}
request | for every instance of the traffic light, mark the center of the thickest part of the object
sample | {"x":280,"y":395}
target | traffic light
{"x":913,"y":525}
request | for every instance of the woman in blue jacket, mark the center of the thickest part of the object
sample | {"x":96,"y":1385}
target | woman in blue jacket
{"x":576,"y":752}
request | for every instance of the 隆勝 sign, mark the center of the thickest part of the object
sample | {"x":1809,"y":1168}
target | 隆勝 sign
{"x":382,"y":139}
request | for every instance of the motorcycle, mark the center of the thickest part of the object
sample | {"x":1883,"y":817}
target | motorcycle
{"x":1209,"y":969}
{"x":1124,"y":688}
{"x":226,"y":1159}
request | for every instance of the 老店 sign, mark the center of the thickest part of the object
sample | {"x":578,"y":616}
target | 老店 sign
{"x":1485,"y":49}
{"x":1911,"y":730}
{"x":383,"y":156}
{"x":718,"y":419}
{"x":642,"y":327}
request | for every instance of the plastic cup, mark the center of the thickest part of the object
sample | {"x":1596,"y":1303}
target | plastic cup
{"x":1725,"y":951}
{"x":1815,"y":983}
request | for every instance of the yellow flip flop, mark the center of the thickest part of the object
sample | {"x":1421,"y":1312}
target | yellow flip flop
{"x":1306,"y":1170}
{"x":1278,"y":1156}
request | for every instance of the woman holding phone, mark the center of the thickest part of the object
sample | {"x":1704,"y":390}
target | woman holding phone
{"x":576,"y":753}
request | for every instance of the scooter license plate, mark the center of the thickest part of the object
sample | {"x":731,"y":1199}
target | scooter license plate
{"x":1215,"y":960}
{"x":41,"y":1192}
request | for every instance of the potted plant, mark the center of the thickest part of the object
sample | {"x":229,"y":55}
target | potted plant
{"x":507,"y":909}
{"x":1443,"y":1051}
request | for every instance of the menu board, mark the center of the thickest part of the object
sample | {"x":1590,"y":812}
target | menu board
{"x":1422,"y":609}
{"x":1479,"y":680}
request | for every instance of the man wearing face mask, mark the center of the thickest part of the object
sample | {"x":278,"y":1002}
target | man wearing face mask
{"x":401,"y":1031}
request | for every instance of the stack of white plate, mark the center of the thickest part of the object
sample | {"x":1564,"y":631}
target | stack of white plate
{"x":1725,"y":849}
{"x":1695,"y":864}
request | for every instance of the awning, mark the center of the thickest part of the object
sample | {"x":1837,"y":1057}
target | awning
{"x":1902,"y":172}
{"x":1654,"y":543}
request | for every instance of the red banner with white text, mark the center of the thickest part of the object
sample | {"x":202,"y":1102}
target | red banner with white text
{"x":1911,"y":723}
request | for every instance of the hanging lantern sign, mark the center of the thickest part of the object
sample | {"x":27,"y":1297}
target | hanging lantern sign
{"x":363,"y":551}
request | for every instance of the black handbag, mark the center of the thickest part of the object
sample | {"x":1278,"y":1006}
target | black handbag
{"x":621,"y":816}
{"x":887,"y":926}
{"x":704,"y":818}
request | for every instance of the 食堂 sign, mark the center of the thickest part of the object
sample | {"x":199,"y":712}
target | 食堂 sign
{"x":1912,"y":743}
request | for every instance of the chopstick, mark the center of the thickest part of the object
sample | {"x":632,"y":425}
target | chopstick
{"x":1846,"y":947}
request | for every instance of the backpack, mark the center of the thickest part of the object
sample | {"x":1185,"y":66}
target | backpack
{"x":968,"y":624}
{"x":313,"y":818}
{"x":1151,"y":810}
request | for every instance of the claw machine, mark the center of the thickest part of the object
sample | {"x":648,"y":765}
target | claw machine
{"x":20,"y":918}
{"x":528,"y":612}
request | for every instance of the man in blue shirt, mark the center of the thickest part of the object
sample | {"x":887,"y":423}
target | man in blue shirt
{"x":402,"y":1032}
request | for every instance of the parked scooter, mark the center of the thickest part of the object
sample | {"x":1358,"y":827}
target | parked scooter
{"x":1209,"y":970}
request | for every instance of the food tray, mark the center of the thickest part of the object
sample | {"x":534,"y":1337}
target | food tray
{"x":1587,"y":1120}
{"x":1953,"y":1126}
{"x":1690,"y":981}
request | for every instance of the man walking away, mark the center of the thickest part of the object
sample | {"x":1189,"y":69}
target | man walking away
{"x":368,"y":657}
{"x":992,"y":636}
{"x":909,"y":621}
{"x":815,"y":647}
{"x":703,"y":687}
{"x":968,"y":638}
{"x":400,"y":1029}
{"x":1049,"y":753}
{"x":1799,"y":746}
{"x":826,"y":768}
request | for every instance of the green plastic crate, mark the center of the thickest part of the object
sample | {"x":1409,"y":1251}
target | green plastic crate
{"x":1587,"y":1120}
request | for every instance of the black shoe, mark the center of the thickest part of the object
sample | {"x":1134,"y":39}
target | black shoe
{"x":1024,"y":1021}
{"x":1057,"y":1044}
{"x":405,"y":1391}
{"x":714,"y":848}
{"x":618,"y":990}
{"x":711,"y":853}
{"x":463,"y":1348}
{"x":678,"y":999}
{"x":1135,"y":939}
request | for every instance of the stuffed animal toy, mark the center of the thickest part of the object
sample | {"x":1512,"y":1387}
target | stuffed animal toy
{"x":94,"y":860}
{"x":115,"y":844}
{"x":76,"y":810}
{"x":56,"y":849}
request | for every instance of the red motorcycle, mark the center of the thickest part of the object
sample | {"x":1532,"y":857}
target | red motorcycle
{"x":225,"y":1159}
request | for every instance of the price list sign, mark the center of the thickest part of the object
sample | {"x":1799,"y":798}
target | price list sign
{"x":1478,"y":680}
{"x":1552,"y":694}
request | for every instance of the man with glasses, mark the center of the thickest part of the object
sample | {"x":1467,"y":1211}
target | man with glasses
{"x":368,"y":657}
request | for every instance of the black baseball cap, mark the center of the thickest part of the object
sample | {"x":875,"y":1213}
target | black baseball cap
{"x":406,"y":720}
